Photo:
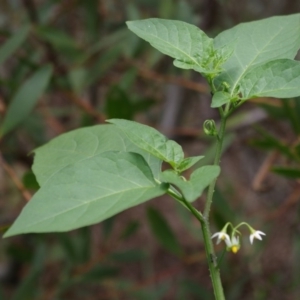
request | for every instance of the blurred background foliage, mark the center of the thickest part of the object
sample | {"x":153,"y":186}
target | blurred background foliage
{"x":68,"y":64}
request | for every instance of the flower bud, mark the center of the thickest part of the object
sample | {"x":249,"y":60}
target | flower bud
{"x":209,"y":128}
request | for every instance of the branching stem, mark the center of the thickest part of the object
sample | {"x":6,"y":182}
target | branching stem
{"x":204,"y":218}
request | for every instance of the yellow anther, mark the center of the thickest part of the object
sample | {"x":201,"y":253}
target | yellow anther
{"x":235,"y":249}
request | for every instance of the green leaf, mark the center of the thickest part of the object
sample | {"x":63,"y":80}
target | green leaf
{"x":25,"y":99}
{"x":278,"y":78}
{"x":292,"y":173}
{"x":219,"y":99}
{"x":13,"y":43}
{"x":87,"y":192}
{"x":193,"y":188}
{"x":185,"y":42}
{"x":187,"y":163}
{"x":81,"y":144}
{"x":162,"y":231}
{"x":152,"y":141}
{"x":258,"y":42}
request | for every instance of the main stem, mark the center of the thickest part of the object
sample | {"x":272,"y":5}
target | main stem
{"x":209,"y":248}
{"x":204,"y":218}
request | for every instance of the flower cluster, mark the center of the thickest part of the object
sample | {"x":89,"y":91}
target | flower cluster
{"x":233,"y":241}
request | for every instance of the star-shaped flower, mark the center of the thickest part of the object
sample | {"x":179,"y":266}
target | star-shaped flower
{"x":222,"y":236}
{"x":256,"y":234}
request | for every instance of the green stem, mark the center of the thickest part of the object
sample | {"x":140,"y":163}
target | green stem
{"x":187,"y":204}
{"x":209,"y":248}
{"x":203,"y":218}
{"x":212,"y":262}
{"x":211,"y":188}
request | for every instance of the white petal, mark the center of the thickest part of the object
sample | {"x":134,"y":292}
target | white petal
{"x":227,"y":238}
{"x":216,"y":234}
{"x":257,"y":236}
{"x":251,"y":238}
{"x":260,"y":232}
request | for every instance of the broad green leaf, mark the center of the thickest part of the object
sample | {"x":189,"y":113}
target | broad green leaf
{"x":278,"y":78}
{"x":189,"y":45}
{"x":199,"y":180}
{"x":187,"y":163}
{"x":81,"y":144}
{"x":13,"y":43}
{"x":25,"y":99}
{"x":292,"y":173}
{"x":258,"y":42}
{"x":220,"y":98}
{"x":162,"y":231}
{"x":87,"y":192}
{"x":152,"y":141}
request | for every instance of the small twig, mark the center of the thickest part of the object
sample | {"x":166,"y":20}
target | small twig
{"x":18,"y":183}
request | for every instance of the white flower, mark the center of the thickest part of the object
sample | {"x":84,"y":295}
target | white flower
{"x":222,"y":236}
{"x":256,"y":234}
{"x":233,"y":244}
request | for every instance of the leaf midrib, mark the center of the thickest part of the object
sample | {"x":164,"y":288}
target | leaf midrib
{"x":145,"y":188}
{"x":251,"y":62}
